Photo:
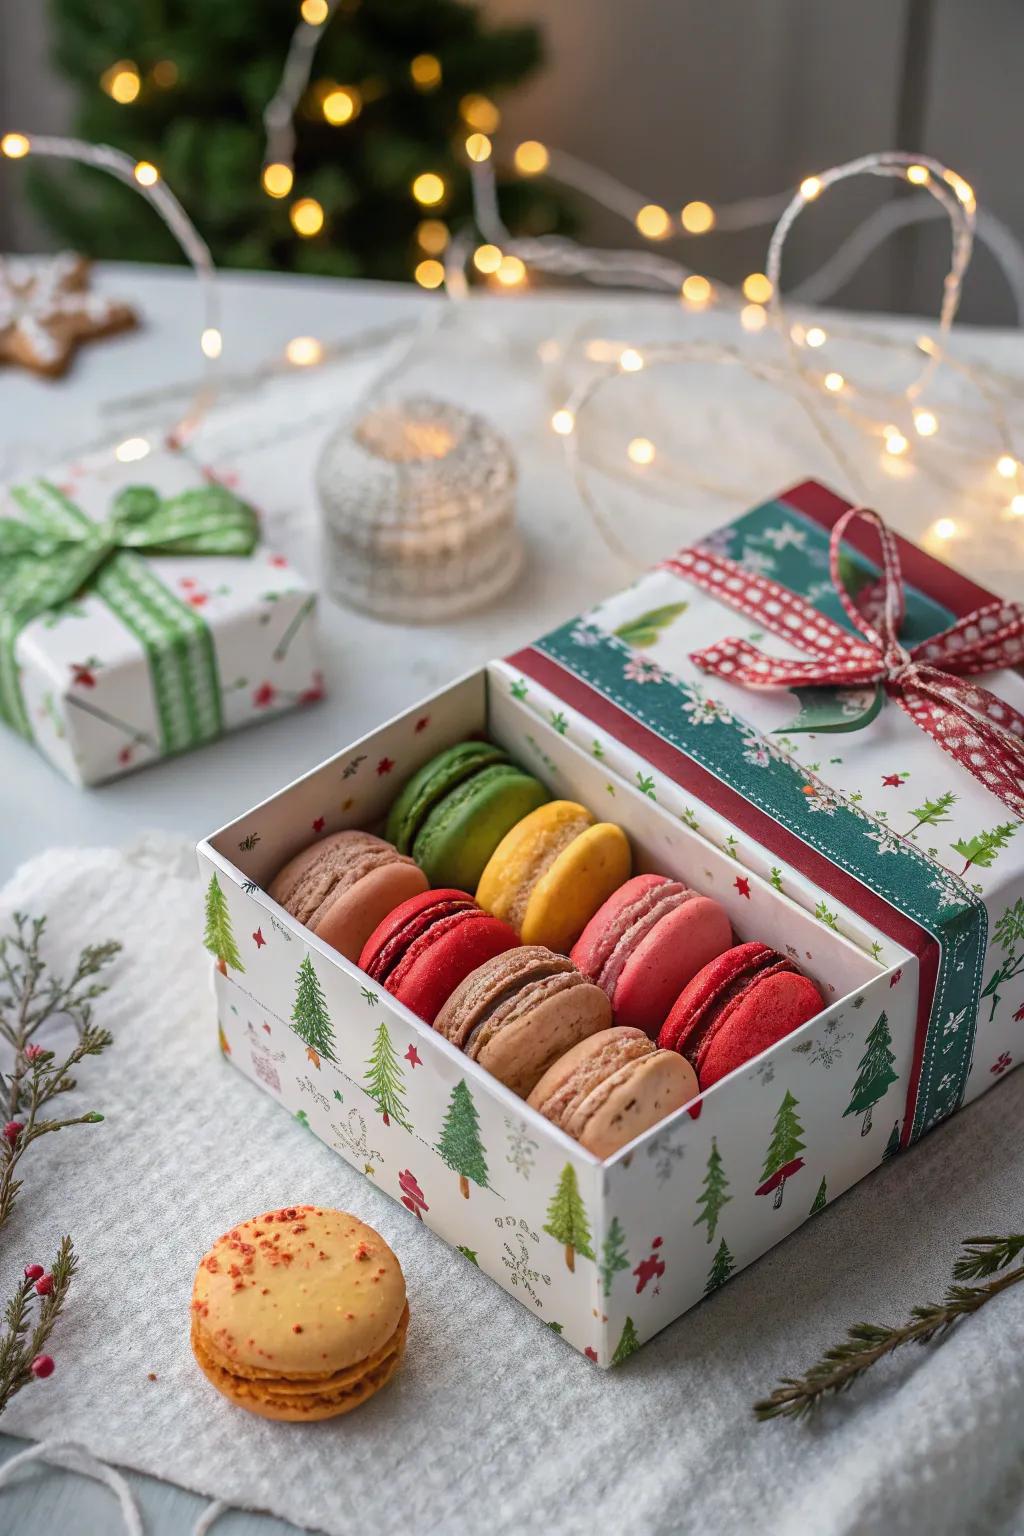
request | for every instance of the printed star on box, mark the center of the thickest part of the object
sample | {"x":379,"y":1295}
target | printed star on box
{"x":743,"y":886}
{"x":412,"y":1056}
{"x":892,"y":780}
{"x":258,"y":938}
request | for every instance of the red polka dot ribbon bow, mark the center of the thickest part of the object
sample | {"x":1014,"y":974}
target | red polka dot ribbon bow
{"x":972,"y":724}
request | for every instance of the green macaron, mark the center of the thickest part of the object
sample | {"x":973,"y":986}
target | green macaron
{"x":431,"y":783}
{"x":457,"y":832}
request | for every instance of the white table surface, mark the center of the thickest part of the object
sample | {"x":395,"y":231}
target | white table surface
{"x":374,"y":670}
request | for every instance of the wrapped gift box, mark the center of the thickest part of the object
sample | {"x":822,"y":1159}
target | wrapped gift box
{"x":871,"y":857}
{"x":181,"y":626}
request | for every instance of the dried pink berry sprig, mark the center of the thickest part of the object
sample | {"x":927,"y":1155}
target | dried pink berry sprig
{"x":29,"y":1317}
{"x":29,"y":996}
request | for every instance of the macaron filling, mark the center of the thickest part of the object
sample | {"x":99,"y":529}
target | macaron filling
{"x":634,"y":923}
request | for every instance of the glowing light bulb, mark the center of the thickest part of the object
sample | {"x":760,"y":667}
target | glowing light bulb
{"x":1016,"y":507}
{"x":480,"y":112}
{"x":895,"y":442}
{"x":641,"y":450}
{"x":428,"y":188}
{"x":278,"y":179}
{"x":121,"y":81}
{"x":314,"y":12}
{"x":307,"y":217}
{"x":425,"y":70}
{"x":563,"y":422}
{"x":757,"y":288}
{"x":433,"y":236}
{"x":1006,"y":465}
{"x":478,"y":148}
{"x":531,"y":158}
{"x":429,"y":273}
{"x":919,"y":175}
{"x":630,"y":360}
{"x":816,"y":337}
{"x":132,"y":449}
{"x":697,"y":218}
{"x":753,"y":317}
{"x":963,"y":190}
{"x":303,"y":351}
{"x":211,"y":342}
{"x":809,"y":188}
{"x":146,"y":173}
{"x":834,"y":382}
{"x":15,"y":146}
{"x":653,"y":221}
{"x":696,"y":289}
{"x":926,"y":423}
{"x":511,"y":271}
{"x":945,"y":528}
{"x":487,"y":258}
{"x":341,"y":104}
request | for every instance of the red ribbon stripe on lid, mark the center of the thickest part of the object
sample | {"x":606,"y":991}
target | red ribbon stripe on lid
{"x":977,"y":728}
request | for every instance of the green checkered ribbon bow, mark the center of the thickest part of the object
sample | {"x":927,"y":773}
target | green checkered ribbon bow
{"x":57,"y":551}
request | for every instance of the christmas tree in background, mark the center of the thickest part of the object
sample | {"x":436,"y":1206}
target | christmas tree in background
{"x":460,"y":1143}
{"x":567,"y":1220}
{"x":874,"y":1074}
{"x":396,"y":87}
{"x":218,"y":938}
{"x":310,"y":1019}
{"x":384,"y":1078}
{"x":722,"y":1266}
{"x":783,"y":1158}
{"x":627,"y":1345}
{"x":820,"y":1199}
{"x":613,"y":1255}
{"x":714,"y":1196}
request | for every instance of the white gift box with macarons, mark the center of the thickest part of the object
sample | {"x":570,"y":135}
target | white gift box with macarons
{"x":610,"y":713}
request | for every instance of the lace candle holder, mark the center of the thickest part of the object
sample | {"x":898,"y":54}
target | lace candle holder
{"x":418,"y":503}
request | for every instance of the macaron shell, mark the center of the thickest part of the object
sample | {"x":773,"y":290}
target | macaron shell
{"x":454,"y":948}
{"x":699,"y":999}
{"x":460,"y":834}
{"x":678,"y":946}
{"x":568,"y":1081}
{"x":391,"y":939}
{"x":311,"y":876}
{"x":771,"y":1008}
{"x":583,"y":876}
{"x":429,"y":785}
{"x":595,"y":943}
{"x":521,"y":1051}
{"x":494,"y":987}
{"x":525,"y":853}
{"x":350,"y":919}
{"x":632,"y":1100}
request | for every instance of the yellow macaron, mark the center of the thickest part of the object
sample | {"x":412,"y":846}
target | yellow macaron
{"x":548,"y":876}
{"x":299,"y":1314}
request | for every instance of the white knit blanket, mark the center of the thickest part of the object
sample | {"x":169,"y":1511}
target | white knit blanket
{"x":493,"y":1423}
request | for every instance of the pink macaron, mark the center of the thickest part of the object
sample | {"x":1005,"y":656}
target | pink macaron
{"x":427,"y":946}
{"x":646,"y":942}
{"x":741,"y":1003}
{"x":343,"y":885}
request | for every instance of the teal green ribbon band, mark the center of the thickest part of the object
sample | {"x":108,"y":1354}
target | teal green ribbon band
{"x":58,"y":551}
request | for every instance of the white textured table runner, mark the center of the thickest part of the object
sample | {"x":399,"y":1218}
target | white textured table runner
{"x":493,"y":1422}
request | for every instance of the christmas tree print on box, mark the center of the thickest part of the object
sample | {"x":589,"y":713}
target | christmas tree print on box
{"x":567,"y":1219}
{"x":722,"y":1266}
{"x":714,"y":1195}
{"x":613,"y":1255}
{"x":310,"y":1019}
{"x":875,"y":1075}
{"x":820,"y":1199}
{"x":384,"y":1079}
{"x":782,"y":1159}
{"x":628,"y":1343}
{"x":218,"y":938}
{"x":1008,"y":933}
{"x":460,"y":1143}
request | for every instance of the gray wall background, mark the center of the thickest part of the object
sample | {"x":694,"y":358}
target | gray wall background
{"x":723,"y":99}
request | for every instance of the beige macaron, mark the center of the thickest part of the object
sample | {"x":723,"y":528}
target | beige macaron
{"x":344,"y":885}
{"x":611,"y":1087}
{"x":299,"y":1314}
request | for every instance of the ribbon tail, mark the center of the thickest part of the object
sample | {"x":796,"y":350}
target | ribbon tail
{"x":959,"y":719}
{"x":737,"y":661}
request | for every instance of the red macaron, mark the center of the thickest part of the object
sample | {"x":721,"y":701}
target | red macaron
{"x":424,"y":948}
{"x":741,"y":1003}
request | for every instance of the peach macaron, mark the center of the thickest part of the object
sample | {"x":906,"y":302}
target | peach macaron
{"x":342,"y":886}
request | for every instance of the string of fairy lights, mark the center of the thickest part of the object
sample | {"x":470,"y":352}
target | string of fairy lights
{"x":901,"y":422}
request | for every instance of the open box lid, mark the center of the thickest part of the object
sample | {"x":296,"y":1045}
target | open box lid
{"x":857,"y":797}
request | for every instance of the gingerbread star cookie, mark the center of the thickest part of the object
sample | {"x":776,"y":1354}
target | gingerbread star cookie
{"x":47,"y":310}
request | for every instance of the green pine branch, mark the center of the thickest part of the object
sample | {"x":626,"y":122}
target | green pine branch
{"x":867,"y":1343}
{"x":22,"y":1341}
{"x":933,"y":812}
{"x":982,"y":849}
